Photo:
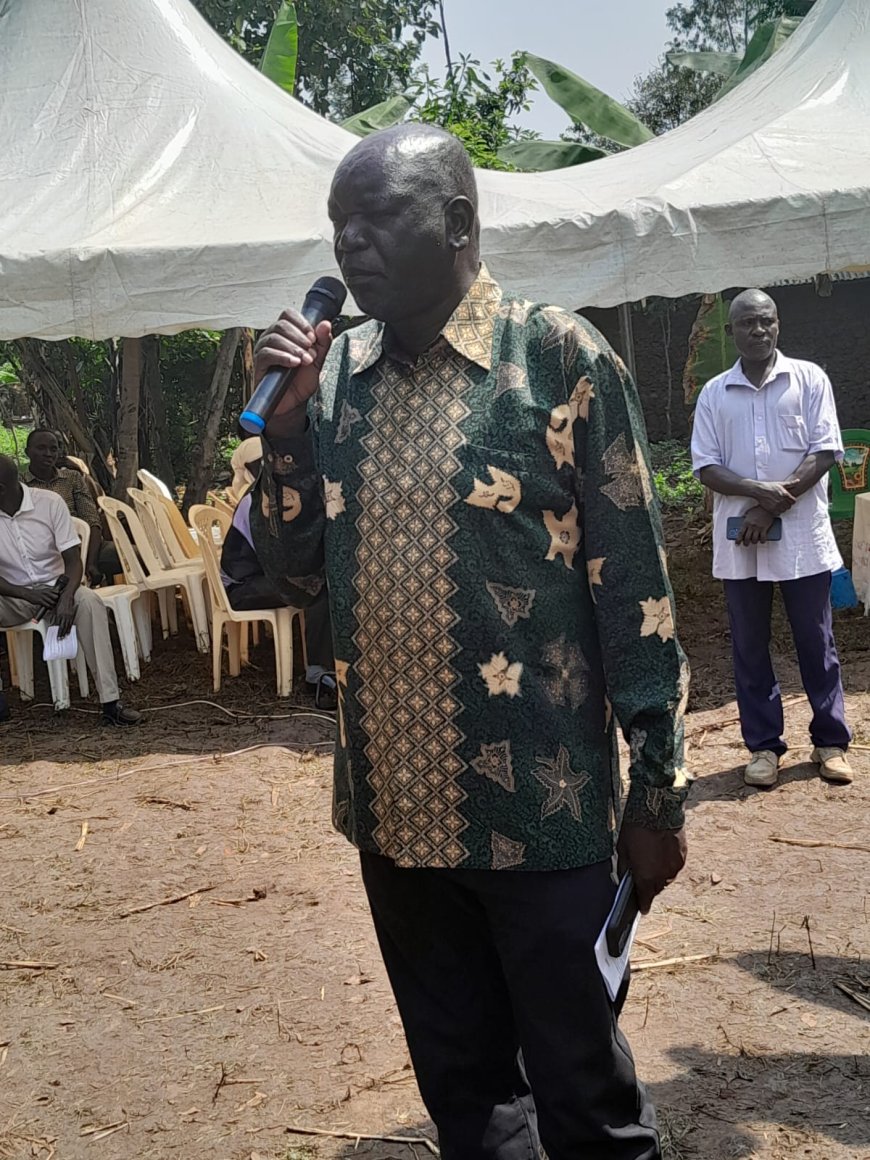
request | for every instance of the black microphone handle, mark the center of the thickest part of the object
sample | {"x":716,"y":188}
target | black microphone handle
{"x":264,"y":400}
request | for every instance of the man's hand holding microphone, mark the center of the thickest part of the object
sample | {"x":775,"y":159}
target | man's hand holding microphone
{"x":288,"y":359}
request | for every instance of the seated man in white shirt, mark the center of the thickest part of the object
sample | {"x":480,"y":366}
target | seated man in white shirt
{"x":41,"y":574}
{"x":764,"y":437}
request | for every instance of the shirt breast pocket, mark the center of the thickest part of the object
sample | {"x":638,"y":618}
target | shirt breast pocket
{"x":492,"y":478}
{"x":793,"y":433}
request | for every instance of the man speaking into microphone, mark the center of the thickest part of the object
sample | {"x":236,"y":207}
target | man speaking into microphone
{"x":467,"y":472}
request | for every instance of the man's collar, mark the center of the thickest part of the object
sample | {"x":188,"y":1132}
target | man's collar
{"x":469,"y":329}
{"x":29,"y":477}
{"x":737,"y":378}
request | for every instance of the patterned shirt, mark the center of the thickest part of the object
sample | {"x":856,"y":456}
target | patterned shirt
{"x":73,"y":489}
{"x":486,"y":523}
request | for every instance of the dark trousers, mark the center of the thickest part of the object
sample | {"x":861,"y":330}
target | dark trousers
{"x":513,"y":1037}
{"x":258,"y":592}
{"x":808,"y":606}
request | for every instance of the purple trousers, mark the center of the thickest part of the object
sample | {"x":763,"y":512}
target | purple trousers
{"x":808,"y":606}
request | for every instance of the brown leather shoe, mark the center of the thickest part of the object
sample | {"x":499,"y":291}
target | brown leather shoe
{"x":833,"y":764}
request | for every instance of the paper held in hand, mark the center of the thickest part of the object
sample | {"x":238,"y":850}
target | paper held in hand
{"x":60,"y":648}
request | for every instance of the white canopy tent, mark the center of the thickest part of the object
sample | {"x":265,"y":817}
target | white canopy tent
{"x":151,"y":181}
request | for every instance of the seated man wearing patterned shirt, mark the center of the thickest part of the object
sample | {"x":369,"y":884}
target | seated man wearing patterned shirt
{"x":764,"y":438}
{"x":471,"y":481}
{"x":44,"y":452}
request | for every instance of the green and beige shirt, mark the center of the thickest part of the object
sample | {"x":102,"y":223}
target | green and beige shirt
{"x":487,"y":527}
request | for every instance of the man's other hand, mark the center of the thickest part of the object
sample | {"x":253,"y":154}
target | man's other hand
{"x":44,"y":596}
{"x":756,"y":524}
{"x":64,"y":613}
{"x":773,"y":497}
{"x":654,"y":857}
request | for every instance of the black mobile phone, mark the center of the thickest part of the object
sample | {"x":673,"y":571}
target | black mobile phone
{"x":625,"y":911}
{"x":735,"y":524}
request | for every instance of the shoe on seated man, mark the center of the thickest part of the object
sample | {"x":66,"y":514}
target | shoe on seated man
{"x":763,"y":768}
{"x":833,"y":764}
{"x":114,"y":713}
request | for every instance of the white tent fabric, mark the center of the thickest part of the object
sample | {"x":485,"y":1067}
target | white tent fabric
{"x":151,"y":181}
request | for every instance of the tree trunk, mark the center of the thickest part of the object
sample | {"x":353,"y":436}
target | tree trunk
{"x":47,"y":391}
{"x":202,"y":463}
{"x":72,"y":373}
{"x":127,"y":444}
{"x":247,"y":351}
{"x":158,"y":425}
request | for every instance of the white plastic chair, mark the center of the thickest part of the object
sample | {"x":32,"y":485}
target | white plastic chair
{"x":183,"y":533}
{"x":20,"y":644}
{"x":150,"y":575}
{"x":224,"y":616}
{"x":156,"y":488}
{"x":152,"y":483}
{"x":132,"y":614}
{"x":160,"y":532}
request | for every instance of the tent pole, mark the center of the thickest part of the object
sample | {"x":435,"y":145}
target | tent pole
{"x":626,"y":338}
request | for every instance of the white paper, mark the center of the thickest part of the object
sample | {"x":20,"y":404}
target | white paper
{"x":613,"y":970}
{"x":60,"y":648}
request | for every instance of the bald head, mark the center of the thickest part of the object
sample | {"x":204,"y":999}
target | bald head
{"x":8,"y":471}
{"x":10,"y":487}
{"x":403,"y":205}
{"x":753,"y":323}
{"x":751,"y":301}
{"x":422,"y":160}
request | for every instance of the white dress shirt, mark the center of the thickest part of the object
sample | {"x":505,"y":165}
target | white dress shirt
{"x":765,"y":433}
{"x":32,"y":540}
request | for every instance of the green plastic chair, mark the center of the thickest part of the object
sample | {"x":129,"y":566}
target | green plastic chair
{"x":851,"y":475}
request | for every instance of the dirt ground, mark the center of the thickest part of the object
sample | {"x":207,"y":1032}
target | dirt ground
{"x":254,"y":999}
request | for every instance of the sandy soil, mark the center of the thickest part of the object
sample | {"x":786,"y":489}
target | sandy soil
{"x":206,"y":1026}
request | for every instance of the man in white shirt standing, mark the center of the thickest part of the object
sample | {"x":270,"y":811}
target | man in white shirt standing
{"x":41,"y":574}
{"x":765,"y":436}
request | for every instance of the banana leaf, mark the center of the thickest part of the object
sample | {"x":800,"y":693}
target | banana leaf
{"x":279,"y":58}
{"x":723,"y":64}
{"x":764,"y":43}
{"x":711,"y":350}
{"x":537,"y":156}
{"x":380,"y":116}
{"x":587,"y":105}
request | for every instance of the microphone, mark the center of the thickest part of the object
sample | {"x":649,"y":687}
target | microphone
{"x":323,"y":302}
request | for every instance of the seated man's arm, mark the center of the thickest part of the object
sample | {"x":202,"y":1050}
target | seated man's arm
{"x":73,"y":572}
{"x":40,"y":595}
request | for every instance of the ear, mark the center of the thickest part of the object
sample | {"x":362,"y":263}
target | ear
{"x":459,"y":219}
{"x":729,"y":329}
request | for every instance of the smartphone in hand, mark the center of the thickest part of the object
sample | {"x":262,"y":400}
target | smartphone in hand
{"x":735,"y":525}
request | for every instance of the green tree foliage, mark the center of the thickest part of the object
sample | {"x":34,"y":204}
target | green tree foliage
{"x":352,"y":53}
{"x":725,"y":25}
{"x":668,"y":96}
{"x":477,"y":106}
